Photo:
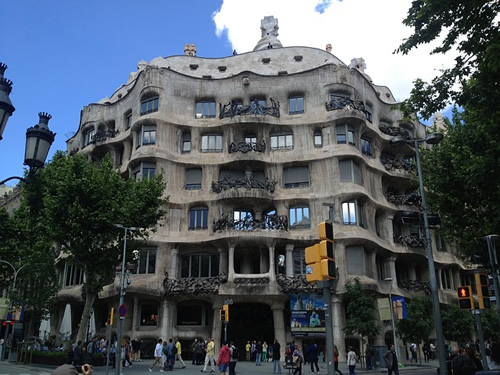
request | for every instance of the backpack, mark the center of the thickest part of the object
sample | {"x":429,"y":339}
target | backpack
{"x":235,"y":353}
{"x":174,"y":350}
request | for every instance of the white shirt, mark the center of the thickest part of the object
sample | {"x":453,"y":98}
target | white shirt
{"x":158,"y":349}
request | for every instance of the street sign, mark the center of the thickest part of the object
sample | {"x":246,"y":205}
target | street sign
{"x":228,"y":301}
{"x":122,"y":311}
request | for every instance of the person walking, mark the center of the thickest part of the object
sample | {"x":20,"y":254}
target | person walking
{"x":247,"y":350}
{"x":276,"y":357}
{"x":351,"y":360}
{"x":178,"y":354}
{"x":297,"y":360}
{"x":312,"y":356}
{"x":336,"y":359}
{"x":234,"y":358}
{"x":127,"y":362}
{"x":368,"y":357}
{"x":264,"y":352}
{"x":169,"y":352}
{"x":157,"y":355}
{"x":258,"y":353}
{"x":209,"y":358}
{"x":136,"y":347}
{"x":224,"y":359}
{"x":391,"y":361}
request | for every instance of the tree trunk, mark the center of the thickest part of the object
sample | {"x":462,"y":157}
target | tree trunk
{"x":89,"y":303}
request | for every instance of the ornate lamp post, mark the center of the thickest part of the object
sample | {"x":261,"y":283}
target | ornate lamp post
{"x":122,"y":298}
{"x":6,"y":107}
{"x":432,"y":139}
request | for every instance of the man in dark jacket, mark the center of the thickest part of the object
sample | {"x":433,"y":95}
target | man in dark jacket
{"x":276,"y":357}
{"x":312,"y":356}
{"x":391,"y":361}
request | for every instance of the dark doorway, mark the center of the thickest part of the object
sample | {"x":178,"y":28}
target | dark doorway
{"x":249,"y":322}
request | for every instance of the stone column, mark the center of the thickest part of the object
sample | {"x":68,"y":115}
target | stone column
{"x":135,"y":315}
{"x":272,"y":265}
{"x":230,"y":273}
{"x":166,"y":319}
{"x":388,"y":229}
{"x":338,"y":325}
{"x":289,"y":259}
{"x":223,"y":263}
{"x":391,"y":265}
{"x":174,"y":259}
{"x":279,"y":328}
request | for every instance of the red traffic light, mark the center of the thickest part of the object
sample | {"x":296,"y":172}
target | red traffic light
{"x":463,"y":292}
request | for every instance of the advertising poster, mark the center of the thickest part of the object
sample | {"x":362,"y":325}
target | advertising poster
{"x":398,"y":306}
{"x":307,"y":315}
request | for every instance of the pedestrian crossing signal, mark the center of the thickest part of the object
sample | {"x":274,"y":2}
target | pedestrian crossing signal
{"x":483,"y":293}
{"x":465,"y":298}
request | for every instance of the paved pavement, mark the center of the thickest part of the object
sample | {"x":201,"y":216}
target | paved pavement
{"x":242,"y":368}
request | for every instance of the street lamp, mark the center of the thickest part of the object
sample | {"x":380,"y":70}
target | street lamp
{"x":122,"y":298}
{"x":6,"y":107}
{"x":431,"y":139}
{"x":16,"y":272}
{"x":393,"y":320}
{"x":492,"y":252}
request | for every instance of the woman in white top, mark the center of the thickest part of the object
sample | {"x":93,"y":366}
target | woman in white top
{"x":351,"y":361}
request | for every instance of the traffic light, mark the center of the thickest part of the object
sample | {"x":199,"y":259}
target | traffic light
{"x":320,"y":259}
{"x":465,"y":298}
{"x":226,"y":311}
{"x":111,"y":316}
{"x":483,"y":293}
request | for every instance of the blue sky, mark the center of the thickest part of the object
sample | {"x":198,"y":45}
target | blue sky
{"x":64,"y":55}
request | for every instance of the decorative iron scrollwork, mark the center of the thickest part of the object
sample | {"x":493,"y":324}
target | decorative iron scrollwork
{"x":270,"y":222}
{"x":245,"y":147}
{"x":296,"y":284}
{"x":251,"y":281}
{"x":102,"y":135}
{"x":416,"y":285}
{"x":247,"y":182}
{"x":193,"y":285}
{"x":412,"y":199}
{"x":394,"y":131}
{"x":255,"y":108}
{"x":342,"y":102}
{"x":410,"y":240}
{"x":391,"y":163}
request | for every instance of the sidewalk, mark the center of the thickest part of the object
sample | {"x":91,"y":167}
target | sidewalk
{"x":243,"y":368}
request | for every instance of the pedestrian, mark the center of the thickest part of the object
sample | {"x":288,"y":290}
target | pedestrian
{"x":276,"y":357}
{"x":210,"y":354}
{"x":413,"y":350}
{"x":427,"y":352}
{"x":351,"y":360}
{"x":170,"y":354}
{"x":391,"y":361}
{"x":157,"y":355}
{"x":77,"y":354}
{"x":264,"y":351}
{"x":433,"y":351}
{"x":312,"y":356}
{"x":234,"y":358}
{"x":178,"y":354}
{"x":297,"y":360}
{"x":494,"y":358}
{"x":336,"y":359}
{"x":136,"y":348}
{"x":193,"y":351}
{"x":200,"y":352}
{"x":126,"y":358}
{"x":258,"y":353}
{"x":247,"y":350}
{"x":463,"y":365}
{"x":369,"y":357}
{"x":252,"y":350}
{"x":224,"y":359}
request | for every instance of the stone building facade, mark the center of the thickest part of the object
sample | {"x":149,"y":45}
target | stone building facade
{"x":257,"y":149}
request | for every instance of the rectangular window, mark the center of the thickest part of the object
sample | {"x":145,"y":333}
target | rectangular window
{"x":243,"y":220}
{"x":88,"y":138}
{"x":73,"y":275}
{"x":199,"y":265}
{"x":318,"y":139}
{"x":211,"y":143}
{"x":251,"y":139}
{"x":144,"y":170}
{"x":198,"y":218}
{"x":190,"y":315}
{"x":193,"y":179}
{"x":299,"y":262}
{"x":355,"y":260}
{"x":296,"y":177}
{"x":146,"y":135}
{"x":149,"y":314}
{"x":440,"y":243}
{"x":186,"y":142}
{"x":147,"y":261}
{"x":296,"y":105}
{"x":281,"y":141}
{"x":128,"y":120}
{"x":349,"y":171}
{"x":349,"y":213}
{"x":205,"y":109}
{"x":299,"y":218}
{"x":366,"y":146}
{"x":149,"y":105}
{"x":345,"y":134}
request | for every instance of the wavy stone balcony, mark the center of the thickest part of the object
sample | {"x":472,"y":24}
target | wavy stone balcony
{"x":342,"y":102}
{"x":254,"y":109}
{"x":249,"y":224}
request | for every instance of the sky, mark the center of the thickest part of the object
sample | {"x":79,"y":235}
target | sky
{"x":64,"y":55}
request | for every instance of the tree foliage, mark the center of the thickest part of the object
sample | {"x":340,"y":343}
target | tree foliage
{"x":360,"y":311}
{"x":79,"y":202}
{"x":419,"y":324}
{"x":469,"y":27}
{"x":490,"y":323}
{"x":458,"y":325}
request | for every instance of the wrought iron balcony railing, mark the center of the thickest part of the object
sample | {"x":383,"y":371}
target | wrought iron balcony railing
{"x":102,"y":135}
{"x":394,"y":131}
{"x":342,"y":102}
{"x":412,"y":199}
{"x":247,"y":182}
{"x":391,"y":163}
{"x":270,"y":222}
{"x":411,"y":240}
{"x":245,"y":147}
{"x":255,"y":109}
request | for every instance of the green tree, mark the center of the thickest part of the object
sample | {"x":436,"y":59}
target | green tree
{"x":360,"y":311}
{"x":491,"y":326}
{"x":79,"y":201}
{"x":458,"y":325}
{"x":419,"y":324}
{"x":469,"y":27}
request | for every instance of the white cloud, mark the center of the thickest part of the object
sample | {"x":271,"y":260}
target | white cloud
{"x":355,"y":28}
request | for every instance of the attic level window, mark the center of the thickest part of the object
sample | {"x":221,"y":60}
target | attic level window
{"x":207,"y":76}
{"x":282,"y":73}
{"x":298,"y":58}
{"x":193,"y":66}
{"x":222,"y":68}
{"x":266,"y":60}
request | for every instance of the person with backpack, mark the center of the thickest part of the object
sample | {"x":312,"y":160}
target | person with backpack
{"x":234,"y":358}
{"x":170,"y":350}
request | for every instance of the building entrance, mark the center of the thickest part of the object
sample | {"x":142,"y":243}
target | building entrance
{"x":249,"y":322}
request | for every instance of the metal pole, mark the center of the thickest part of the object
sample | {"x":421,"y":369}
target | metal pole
{"x":391,"y":307}
{"x":432,"y":271}
{"x":492,"y":254}
{"x":118,"y":363}
{"x":477,"y":313}
{"x":328,"y":326}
